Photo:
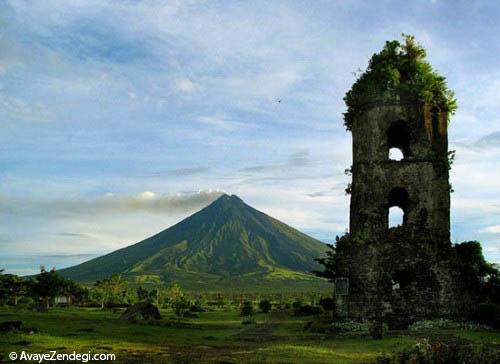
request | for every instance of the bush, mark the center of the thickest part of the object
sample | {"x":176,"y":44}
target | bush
{"x":246,"y":308}
{"x":196,"y":308}
{"x":308,"y":310}
{"x":487,"y":314}
{"x":179,"y":306}
{"x":441,"y":351}
{"x":377,"y":329}
{"x":324,"y":325}
{"x":297,"y":304}
{"x":265,"y":306}
{"x":319,"y":326}
{"x":26,"y":303}
{"x":350,"y":326}
{"x":190,"y":314}
{"x":443,"y":324}
{"x":328,"y":303}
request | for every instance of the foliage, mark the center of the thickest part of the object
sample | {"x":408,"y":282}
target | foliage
{"x":142,"y":294}
{"x":46,"y":286}
{"x":177,"y":301}
{"x":443,"y":324}
{"x":443,"y":351}
{"x":487,"y":314}
{"x":179,"y":306}
{"x":328,"y":262}
{"x":323,"y":324}
{"x":377,"y":329}
{"x":328,"y":303}
{"x":400,"y":67}
{"x":11,"y":287}
{"x":265,"y":306}
{"x":110,"y":291}
{"x":246,"y":308}
{"x":307,"y":310}
{"x":476,"y":276}
{"x":297,"y":304}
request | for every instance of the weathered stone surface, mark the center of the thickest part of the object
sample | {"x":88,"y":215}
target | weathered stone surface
{"x":398,"y":273}
{"x":399,"y":122}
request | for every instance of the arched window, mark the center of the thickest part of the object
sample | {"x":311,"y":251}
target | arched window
{"x":397,"y":202}
{"x":398,"y":140}
{"x":395,"y":154}
{"x":396,"y":216}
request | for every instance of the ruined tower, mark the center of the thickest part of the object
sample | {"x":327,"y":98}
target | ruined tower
{"x":417,"y":183}
{"x":398,"y":273}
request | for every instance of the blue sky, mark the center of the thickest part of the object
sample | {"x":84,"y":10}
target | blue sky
{"x":119,"y":118}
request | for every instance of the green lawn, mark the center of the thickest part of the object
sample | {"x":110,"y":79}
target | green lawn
{"x":214,"y":337}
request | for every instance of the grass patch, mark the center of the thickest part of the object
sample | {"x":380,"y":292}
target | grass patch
{"x":216,"y":336}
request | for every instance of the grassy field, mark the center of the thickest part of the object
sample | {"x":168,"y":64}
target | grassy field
{"x":214,"y":337}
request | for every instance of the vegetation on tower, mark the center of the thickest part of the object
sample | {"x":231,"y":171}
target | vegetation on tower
{"x":400,"y":67}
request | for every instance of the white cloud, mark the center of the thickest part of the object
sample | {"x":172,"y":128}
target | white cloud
{"x":186,"y":85}
{"x":494,"y":229}
{"x":146,"y":201}
{"x":15,"y":107}
{"x":220,"y":122}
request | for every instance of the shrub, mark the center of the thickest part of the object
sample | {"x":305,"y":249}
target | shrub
{"x":196,"y":308}
{"x":443,"y":324}
{"x":190,"y":314}
{"x":377,"y":329}
{"x":400,"y":67}
{"x":328,"y":303}
{"x":350,"y":326}
{"x":319,"y":326}
{"x":487,"y":314}
{"x":26,"y":302}
{"x":443,"y":351}
{"x":265,"y":306}
{"x":246,"y":308}
{"x":323,"y":324}
{"x":179,"y":306}
{"x":308,"y":310}
{"x":297,"y":304}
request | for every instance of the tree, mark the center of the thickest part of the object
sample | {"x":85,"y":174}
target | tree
{"x":246,"y":308}
{"x":100,"y":294}
{"x":75,"y":292}
{"x":112,"y":290}
{"x":475,"y":275}
{"x":142,"y":294}
{"x":117,"y":286}
{"x":11,"y":287}
{"x":328,"y":303}
{"x":328,"y":262}
{"x":265,"y":305}
{"x":177,"y":301}
{"x":46,"y":286}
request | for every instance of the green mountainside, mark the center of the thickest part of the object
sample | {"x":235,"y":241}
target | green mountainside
{"x":228,"y":244}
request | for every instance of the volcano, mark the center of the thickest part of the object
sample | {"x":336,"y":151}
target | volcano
{"x":226,"y":244}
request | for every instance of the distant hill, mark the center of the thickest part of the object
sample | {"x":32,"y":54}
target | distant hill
{"x":226,"y":245}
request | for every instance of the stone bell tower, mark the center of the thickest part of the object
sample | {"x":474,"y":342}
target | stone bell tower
{"x":417,"y":183}
{"x":396,"y":273}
